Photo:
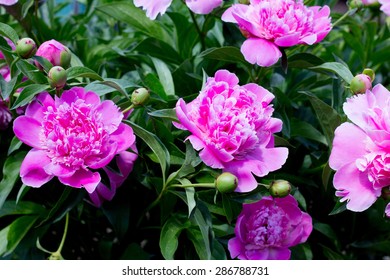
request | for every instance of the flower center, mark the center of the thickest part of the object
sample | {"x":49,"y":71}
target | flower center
{"x":266,"y":228}
{"x":73,"y":134}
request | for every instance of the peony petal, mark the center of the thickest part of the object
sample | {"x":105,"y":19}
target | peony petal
{"x":56,"y":169}
{"x":203,"y":6}
{"x":236,"y":249}
{"x":28,"y":130}
{"x":82,"y":179}
{"x":32,"y":169}
{"x":111,"y":116}
{"x":353,"y":186}
{"x":227,"y":77}
{"x":260,"y":51}
{"x":387,"y":210}
{"x":36,"y":109}
{"x":153,"y":8}
{"x":8,"y":2}
{"x":279,"y":254}
{"x":185,"y":122}
{"x":123,"y":136}
{"x":288,"y":40}
{"x":246,"y":180}
{"x":104,"y":159}
{"x":348,"y":145}
{"x":267,"y":160}
{"x":258,"y":254}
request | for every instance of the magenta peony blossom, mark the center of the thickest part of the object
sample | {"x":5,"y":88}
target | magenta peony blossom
{"x":72,"y":136}
{"x":361,"y":150}
{"x":273,"y":24}
{"x":154,"y":7}
{"x":233,"y":127}
{"x":55,"y":52}
{"x":267,"y":228}
{"x":125,"y":162}
{"x":8,"y":2}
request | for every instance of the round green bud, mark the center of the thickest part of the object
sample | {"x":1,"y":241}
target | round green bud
{"x":360,"y":83}
{"x":140,"y":96}
{"x":226,"y":182}
{"x":57,"y":77}
{"x":280,"y":188}
{"x":355,"y":4}
{"x":26,"y":48}
{"x":370,"y":73}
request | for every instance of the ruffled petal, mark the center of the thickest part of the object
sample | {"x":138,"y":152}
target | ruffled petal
{"x":348,"y":145}
{"x":82,"y":179}
{"x":123,"y":136}
{"x":28,"y":130}
{"x":260,"y":51}
{"x":354,"y":187}
{"x":236,"y":249}
{"x":153,"y":8}
{"x":203,"y":6}
{"x":32,"y":169}
{"x":111,"y":116}
{"x":38,"y":106}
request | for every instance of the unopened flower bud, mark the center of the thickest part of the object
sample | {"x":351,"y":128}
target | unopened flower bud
{"x":140,"y":96}
{"x":26,"y":48}
{"x":65,"y":58}
{"x":370,"y":73}
{"x":57,"y":77}
{"x":280,"y":188}
{"x":226,"y":182}
{"x":360,"y":83}
{"x":355,"y":4}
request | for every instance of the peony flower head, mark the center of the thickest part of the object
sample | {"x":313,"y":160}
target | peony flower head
{"x":72,"y":136}
{"x":233,"y":127}
{"x":8,"y":2}
{"x":55,"y":52}
{"x":385,"y":6}
{"x":363,"y":167}
{"x":153,"y":8}
{"x":265,"y":230}
{"x":273,"y":24}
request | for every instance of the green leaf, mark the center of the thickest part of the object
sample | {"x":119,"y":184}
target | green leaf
{"x":28,"y":93}
{"x":304,"y":60}
{"x":82,"y":72}
{"x":10,"y":207}
{"x":228,"y":54}
{"x":135,"y":17}
{"x":202,"y":218}
{"x":46,"y":64}
{"x":155,"y":145}
{"x":31,"y":72}
{"x":10,"y":175}
{"x":329,"y":119}
{"x":326,"y":174}
{"x":15,"y":145}
{"x":165,"y":76}
{"x":110,"y":85}
{"x":169,"y":114}
{"x":152,"y":82}
{"x":169,"y":235}
{"x":338,"y":208}
{"x":303,"y":129}
{"x":9,"y":32}
{"x":11,"y":235}
{"x":6,"y":88}
{"x":135,"y":252}
{"x":337,"y":68}
{"x":327,"y":230}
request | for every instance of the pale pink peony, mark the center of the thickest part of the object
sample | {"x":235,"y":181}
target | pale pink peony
{"x":72,"y":136}
{"x":125,"y":162}
{"x":8,"y":2}
{"x":55,"y":52}
{"x":233,"y":128}
{"x":265,"y":230}
{"x":385,"y":6}
{"x":361,"y":149}
{"x":273,"y":24}
{"x":155,"y":7}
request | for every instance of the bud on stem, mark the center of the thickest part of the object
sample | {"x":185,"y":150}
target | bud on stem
{"x":280,"y":188}
{"x":26,"y":48}
{"x":226,"y":182}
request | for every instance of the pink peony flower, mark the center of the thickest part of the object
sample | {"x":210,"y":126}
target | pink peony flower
{"x":55,"y":52}
{"x":369,"y":2}
{"x":233,"y":127}
{"x":5,"y":115}
{"x":72,"y":136}
{"x":8,"y":2}
{"x":385,"y":6}
{"x":125,"y":162}
{"x":361,"y":149}
{"x":273,"y":24}
{"x":267,"y":228}
{"x":153,"y":8}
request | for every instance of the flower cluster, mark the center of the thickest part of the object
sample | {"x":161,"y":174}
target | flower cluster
{"x":270,"y":25}
{"x":363,"y":168}
{"x":233,"y":126}
{"x":266,"y":229}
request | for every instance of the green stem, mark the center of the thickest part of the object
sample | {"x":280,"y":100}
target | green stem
{"x":65,"y":233}
{"x":199,"y":185}
{"x":128,"y":108}
{"x":201,"y":35}
{"x":344,"y":16}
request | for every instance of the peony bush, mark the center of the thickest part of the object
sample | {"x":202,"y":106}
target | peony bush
{"x":225,"y":130}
